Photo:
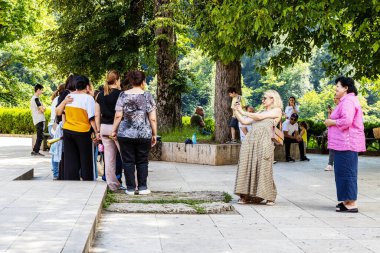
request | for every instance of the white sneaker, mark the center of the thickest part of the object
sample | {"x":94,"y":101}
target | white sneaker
{"x":329,"y":168}
{"x":129,"y":192}
{"x":144,"y":192}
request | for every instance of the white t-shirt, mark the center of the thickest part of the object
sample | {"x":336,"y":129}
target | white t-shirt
{"x":37,"y":116}
{"x":52,"y":109}
{"x":286,"y":126}
{"x":289,"y":111}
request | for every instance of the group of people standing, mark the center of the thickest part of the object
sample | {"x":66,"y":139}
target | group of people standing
{"x":254,"y":180}
{"x":123,"y":120}
{"x":126,"y":121}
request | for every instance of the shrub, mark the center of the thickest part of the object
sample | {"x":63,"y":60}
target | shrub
{"x":18,"y":121}
{"x":209,"y":123}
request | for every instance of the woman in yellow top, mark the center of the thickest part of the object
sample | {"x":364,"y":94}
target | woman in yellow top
{"x":79,"y":108}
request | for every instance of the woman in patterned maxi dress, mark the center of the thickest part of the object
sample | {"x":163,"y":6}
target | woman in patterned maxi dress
{"x":254,"y":178}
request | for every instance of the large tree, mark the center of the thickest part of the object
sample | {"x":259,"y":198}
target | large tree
{"x":168,"y":96}
{"x":214,"y":22}
{"x":228,"y":29}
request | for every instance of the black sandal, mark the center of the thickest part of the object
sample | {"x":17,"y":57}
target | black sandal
{"x":343,"y":208}
{"x":339,"y":205}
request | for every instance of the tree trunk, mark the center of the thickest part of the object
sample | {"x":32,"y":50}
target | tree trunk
{"x":168,"y":98}
{"x":226,"y":76}
{"x":135,"y":17}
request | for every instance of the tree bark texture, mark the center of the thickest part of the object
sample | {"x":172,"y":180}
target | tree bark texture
{"x":135,"y":17}
{"x":226,"y":76}
{"x":168,"y":99}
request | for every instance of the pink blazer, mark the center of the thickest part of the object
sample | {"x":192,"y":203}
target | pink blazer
{"x":348,"y":134}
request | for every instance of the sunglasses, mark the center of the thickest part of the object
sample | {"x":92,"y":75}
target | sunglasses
{"x":265,"y":98}
{"x":292,"y":119}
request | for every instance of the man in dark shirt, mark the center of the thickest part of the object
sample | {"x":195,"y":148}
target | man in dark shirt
{"x":197,"y":120}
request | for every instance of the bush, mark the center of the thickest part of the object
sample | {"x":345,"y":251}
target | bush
{"x":209,"y":123}
{"x":18,"y":121}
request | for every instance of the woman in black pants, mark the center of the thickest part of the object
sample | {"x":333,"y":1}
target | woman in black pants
{"x":136,"y":129}
{"x":79,"y":118}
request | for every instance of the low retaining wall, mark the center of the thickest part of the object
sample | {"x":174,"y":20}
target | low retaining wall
{"x":210,"y":154}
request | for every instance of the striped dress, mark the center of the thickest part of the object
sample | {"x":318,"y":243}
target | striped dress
{"x":254,"y":176}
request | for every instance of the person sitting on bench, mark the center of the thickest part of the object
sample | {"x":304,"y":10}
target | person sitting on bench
{"x":291,"y":133}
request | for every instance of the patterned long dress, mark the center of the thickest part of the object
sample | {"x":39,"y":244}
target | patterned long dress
{"x":254,"y":177}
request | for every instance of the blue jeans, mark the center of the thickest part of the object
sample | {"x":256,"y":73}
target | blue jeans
{"x":54,"y":165}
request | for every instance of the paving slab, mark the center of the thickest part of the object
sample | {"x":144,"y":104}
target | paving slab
{"x":303,"y":219}
{"x":42,"y":215}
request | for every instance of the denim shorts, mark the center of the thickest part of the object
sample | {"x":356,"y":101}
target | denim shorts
{"x":234,"y":123}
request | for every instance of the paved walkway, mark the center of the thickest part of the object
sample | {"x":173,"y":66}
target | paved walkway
{"x":43,"y":215}
{"x":303,"y":220}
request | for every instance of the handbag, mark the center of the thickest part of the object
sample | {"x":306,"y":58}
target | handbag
{"x":278,"y":135}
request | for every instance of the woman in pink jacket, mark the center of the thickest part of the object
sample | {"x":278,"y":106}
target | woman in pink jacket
{"x":346,"y":138}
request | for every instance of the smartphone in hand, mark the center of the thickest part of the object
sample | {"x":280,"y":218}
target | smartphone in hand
{"x":238,"y":100}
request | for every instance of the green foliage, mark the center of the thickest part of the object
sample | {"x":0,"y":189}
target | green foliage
{"x":186,"y":131}
{"x":18,"y":121}
{"x":18,"y":18}
{"x":200,"y":84}
{"x":95,"y":36}
{"x":21,"y":63}
{"x":227,"y":197}
{"x":110,"y":198}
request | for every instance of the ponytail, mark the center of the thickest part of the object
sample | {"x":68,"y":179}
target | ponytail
{"x":112,"y":77}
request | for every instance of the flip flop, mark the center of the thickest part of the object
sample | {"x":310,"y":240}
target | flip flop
{"x":343,"y":208}
{"x":339,"y":205}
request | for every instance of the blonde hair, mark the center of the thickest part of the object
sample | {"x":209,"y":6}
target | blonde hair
{"x":277,"y":101}
{"x":112,"y":77}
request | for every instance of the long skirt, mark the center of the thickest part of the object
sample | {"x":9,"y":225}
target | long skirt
{"x":346,"y":174}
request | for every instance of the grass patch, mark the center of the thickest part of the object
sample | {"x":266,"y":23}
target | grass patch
{"x":186,"y":132}
{"x":191,"y":202}
{"x":227,"y":197}
{"x":199,"y":209}
{"x":110,"y":198}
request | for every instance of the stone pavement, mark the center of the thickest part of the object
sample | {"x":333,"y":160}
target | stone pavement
{"x":43,"y":215}
{"x":303,"y":219}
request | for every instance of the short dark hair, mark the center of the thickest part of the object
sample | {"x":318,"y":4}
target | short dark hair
{"x":38,"y":87}
{"x":70,"y":84}
{"x":136,"y":77}
{"x":304,"y":124}
{"x":347,"y":82}
{"x":295,"y":116}
{"x":81,"y":82}
{"x":231,"y":90}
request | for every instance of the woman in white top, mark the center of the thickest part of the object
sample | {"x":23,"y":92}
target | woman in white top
{"x":291,"y":108}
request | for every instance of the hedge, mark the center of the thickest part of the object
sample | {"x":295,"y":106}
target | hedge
{"x":19,"y":121}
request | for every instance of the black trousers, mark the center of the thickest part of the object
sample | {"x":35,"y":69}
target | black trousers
{"x":40,"y":136}
{"x":78,"y":161}
{"x":288,"y":141}
{"x":134,"y":154}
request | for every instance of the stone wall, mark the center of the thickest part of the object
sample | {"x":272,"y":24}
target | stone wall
{"x":211,"y":154}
